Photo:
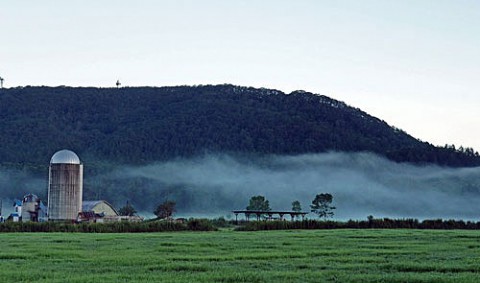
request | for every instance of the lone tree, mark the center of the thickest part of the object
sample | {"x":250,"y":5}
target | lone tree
{"x":127,"y":210}
{"x":296,"y":206}
{"x":258,"y":203}
{"x":165,"y":210}
{"x":321,"y":205}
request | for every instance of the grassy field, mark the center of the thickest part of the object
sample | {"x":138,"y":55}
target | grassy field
{"x":227,"y":256}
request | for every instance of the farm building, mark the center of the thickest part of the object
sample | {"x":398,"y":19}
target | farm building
{"x":99,"y":207}
{"x":16,"y":215}
{"x":33,"y":209}
{"x":65,"y":194}
{"x":101,"y":211}
{"x":30,"y":208}
{"x":17,"y":207}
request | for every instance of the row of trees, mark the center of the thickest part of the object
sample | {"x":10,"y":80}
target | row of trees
{"x":321,"y":205}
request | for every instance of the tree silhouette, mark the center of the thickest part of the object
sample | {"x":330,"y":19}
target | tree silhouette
{"x":321,"y":205}
{"x":165,"y":210}
{"x":296,"y":206}
{"x":127,"y":210}
{"x":258,"y":203}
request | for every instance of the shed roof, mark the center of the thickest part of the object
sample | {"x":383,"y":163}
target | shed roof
{"x":89,"y":205}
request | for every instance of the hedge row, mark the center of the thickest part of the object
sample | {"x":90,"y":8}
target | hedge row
{"x":116,"y":227}
{"x":384,"y":223}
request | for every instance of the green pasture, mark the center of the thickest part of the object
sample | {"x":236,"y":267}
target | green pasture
{"x":229,"y":256}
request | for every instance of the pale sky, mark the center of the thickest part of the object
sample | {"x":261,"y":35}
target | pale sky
{"x":413,"y":63}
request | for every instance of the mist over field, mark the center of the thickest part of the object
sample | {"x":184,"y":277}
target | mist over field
{"x":362,"y":184}
{"x":212,"y":185}
{"x":17,"y":183}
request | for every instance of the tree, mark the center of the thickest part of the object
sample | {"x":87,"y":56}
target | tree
{"x":296,"y":206}
{"x":258,"y":203}
{"x":321,"y":205}
{"x":127,"y":210}
{"x":165,"y":210}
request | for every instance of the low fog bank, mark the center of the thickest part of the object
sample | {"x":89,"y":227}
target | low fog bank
{"x":14,"y":184}
{"x":362,"y":184}
{"x":212,"y":185}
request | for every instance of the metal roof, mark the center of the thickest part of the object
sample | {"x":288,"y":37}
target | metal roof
{"x":31,"y":198}
{"x":65,"y":156}
{"x":88,"y":205}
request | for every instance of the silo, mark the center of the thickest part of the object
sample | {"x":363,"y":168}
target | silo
{"x":30,"y":208}
{"x":65,"y":186}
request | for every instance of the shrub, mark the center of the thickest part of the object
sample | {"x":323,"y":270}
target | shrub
{"x":202,"y":224}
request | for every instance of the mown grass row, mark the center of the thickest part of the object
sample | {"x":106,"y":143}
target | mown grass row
{"x":342,"y":255}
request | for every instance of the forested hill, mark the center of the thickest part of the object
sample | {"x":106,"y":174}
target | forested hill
{"x":144,"y":124}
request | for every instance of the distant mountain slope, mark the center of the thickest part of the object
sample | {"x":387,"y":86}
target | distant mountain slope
{"x":138,"y":125}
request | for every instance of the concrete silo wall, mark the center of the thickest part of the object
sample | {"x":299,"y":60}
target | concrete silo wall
{"x":27,"y":209}
{"x":65,"y":191}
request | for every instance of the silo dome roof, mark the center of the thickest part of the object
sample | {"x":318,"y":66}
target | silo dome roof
{"x":65,"y":156}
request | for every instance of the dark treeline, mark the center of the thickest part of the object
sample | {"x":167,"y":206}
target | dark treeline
{"x":116,"y":227}
{"x":384,"y":223}
{"x":108,"y":126}
{"x":194,"y":224}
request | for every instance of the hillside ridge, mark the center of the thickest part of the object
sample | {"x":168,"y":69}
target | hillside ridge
{"x":135,"y":125}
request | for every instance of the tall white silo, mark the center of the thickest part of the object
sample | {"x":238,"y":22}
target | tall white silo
{"x":65,"y":186}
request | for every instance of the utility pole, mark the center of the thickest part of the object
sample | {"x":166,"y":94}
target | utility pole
{"x":118,"y":83}
{"x":1,"y":82}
